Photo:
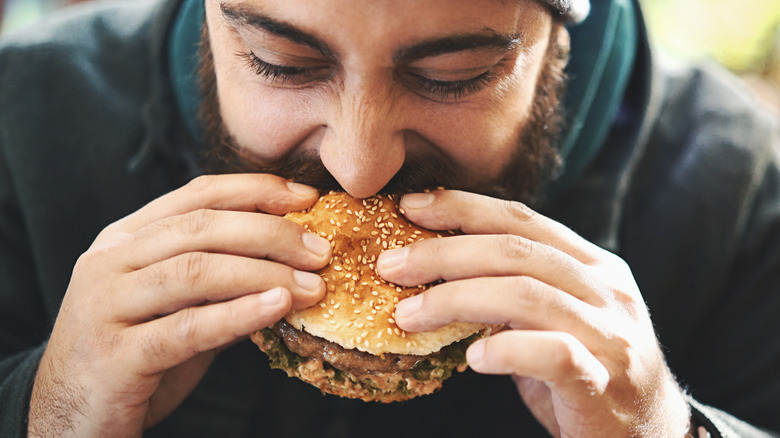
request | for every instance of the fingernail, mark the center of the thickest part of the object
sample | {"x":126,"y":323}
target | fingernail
{"x":301,"y":189}
{"x":475,"y":352}
{"x":392,"y":258}
{"x":271,"y":297}
{"x":316,"y":244}
{"x":417,"y":200}
{"x":409,"y":306}
{"x":307,"y":280}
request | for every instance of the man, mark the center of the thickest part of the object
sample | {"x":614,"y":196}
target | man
{"x":126,"y":290}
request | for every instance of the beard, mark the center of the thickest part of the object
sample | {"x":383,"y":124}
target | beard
{"x":534,"y":162}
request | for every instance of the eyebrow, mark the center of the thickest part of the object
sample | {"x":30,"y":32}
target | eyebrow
{"x":241,"y":15}
{"x":458,"y":43}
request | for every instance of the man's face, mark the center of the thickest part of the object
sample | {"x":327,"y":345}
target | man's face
{"x":369,"y":87}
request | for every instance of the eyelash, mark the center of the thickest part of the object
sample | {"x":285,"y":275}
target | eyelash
{"x":453,"y":90}
{"x":277,"y":73}
{"x":440,"y":90}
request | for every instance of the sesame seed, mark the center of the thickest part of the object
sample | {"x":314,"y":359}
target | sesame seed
{"x":355,"y":228}
{"x":370,"y":318}
{"x":325,"y":315}
{"x":337,"y":268}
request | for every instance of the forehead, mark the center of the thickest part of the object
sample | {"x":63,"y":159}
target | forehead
{"x":396,"y":21}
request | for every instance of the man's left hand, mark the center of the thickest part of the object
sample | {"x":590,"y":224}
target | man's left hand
{"x":579,"y":342}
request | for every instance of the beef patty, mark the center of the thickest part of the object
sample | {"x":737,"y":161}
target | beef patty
{"x":354,"y":361}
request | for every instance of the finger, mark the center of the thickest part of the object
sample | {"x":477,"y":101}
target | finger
{"x":198,"y":278}
{"x":558,"y":359}
{"x":228,"y":232}
{"x":477,"y":214}
{"x":470,"y":256}
{"x":166,"y":342}
{"x":242,"y":192}
{"x":517,"y":302}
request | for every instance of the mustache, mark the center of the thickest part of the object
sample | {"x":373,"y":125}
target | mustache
{"x":416,"y":174}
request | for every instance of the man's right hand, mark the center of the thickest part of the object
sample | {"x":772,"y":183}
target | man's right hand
{"x":161,"y":291}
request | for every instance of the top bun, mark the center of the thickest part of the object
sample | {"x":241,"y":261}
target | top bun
{"x":358,"y":309}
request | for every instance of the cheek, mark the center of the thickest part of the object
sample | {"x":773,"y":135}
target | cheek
{"x":479,"y":138}
{"x":268,"y":124}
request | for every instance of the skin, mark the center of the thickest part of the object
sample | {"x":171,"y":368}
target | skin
{"x":160,"y":292}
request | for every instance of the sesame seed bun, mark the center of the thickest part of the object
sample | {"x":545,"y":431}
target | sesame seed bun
{"x":358,"y":308}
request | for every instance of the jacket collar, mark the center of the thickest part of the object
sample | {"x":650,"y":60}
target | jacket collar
{"x":167,"y":139}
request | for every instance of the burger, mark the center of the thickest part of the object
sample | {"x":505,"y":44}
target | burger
{"x":349,"y":344}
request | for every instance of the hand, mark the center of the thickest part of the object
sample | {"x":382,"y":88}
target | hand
{"x":160,"y":291}
{"x":579,"y":342}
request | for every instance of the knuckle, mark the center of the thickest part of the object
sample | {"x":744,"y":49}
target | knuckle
{"x":517,"y":211}
{"x":515,"y":247}
{"x":524,"y":290}
{"x":185,"y":327}
{"x":191,"y":268}
{"x":566,"y":351}
{"x":196,"y":222}
{"x":201,"y":183}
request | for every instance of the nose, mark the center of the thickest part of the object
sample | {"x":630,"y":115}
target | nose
{"x":363,"y":145}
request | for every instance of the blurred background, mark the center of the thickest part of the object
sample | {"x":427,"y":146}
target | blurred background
{"x":743,"y":35}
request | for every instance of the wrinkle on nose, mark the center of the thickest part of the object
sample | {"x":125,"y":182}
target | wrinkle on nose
{"x":363,"y":147}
